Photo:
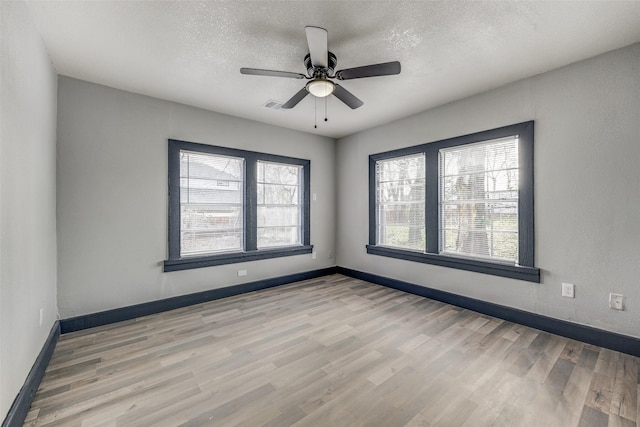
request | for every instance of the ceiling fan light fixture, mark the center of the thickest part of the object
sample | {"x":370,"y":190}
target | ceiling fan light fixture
{"x":320,"y":87}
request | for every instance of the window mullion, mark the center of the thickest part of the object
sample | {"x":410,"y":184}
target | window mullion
{"x":251,"y":203}
{"x":432,"y":209}
{"x":305,"y":188}
{"x":373,"y":205}
{"x":525,"y":198}
{"x":174,"y":201}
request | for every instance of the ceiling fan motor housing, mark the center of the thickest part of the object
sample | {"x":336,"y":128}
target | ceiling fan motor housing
{"x":321,"y":72}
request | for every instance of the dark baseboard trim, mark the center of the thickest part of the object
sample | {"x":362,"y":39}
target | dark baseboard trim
{"x":20,"y":406}
{"x":599,"y":337}
{"x":133,"y":311}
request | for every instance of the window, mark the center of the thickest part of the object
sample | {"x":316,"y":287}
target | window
{"x":279,"y":207}
{"x":478,"y":200}
{"x":400,"y":202}
{"x":211,"y":216}
{"x":464,"y":202}
{"x":228,"y":205}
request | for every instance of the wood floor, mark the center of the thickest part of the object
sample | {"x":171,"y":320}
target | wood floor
{"x":333,"y":351}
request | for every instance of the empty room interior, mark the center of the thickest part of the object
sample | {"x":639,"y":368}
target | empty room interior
{"x":310,"y":213}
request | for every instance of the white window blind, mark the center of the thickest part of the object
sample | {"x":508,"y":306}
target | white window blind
{"x":400,"y":192}
{"x":279,"y":204}
{"x":211,"y":203}
{"x":479,"y":200}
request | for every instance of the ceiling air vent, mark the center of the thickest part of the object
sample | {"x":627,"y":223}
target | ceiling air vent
{"x":273,"y":104}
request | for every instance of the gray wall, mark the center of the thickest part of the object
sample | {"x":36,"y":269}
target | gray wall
{"x":27,"y":197}
{"x":111,"y":193}
{"x":112,"y":196}
{"x":587,"y":190}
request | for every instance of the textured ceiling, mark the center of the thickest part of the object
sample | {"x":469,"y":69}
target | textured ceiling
{"x":191,"y":52}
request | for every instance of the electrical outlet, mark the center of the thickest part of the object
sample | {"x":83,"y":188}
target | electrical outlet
{"x":242,"y":273}
{"x":313,"y":255}
{"x":616,"y":301}
{"x":41,"y":316}
{"x":568,"y":290}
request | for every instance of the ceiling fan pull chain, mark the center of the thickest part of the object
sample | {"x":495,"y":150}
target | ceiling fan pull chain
{"x":325,"y":109}
{"x":315,"y":113}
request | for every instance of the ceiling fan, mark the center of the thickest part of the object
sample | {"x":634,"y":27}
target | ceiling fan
{"x":320,"y":64}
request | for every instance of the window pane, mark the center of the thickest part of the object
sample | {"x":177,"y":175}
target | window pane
{"x":278,"y":194}
{"x":211,"y":203}
{"x":279,"y":204}
{"x":400,"y":192}
{"x":479,"y":199}
{"x":278,"y":236}
{"x":270,"y":216}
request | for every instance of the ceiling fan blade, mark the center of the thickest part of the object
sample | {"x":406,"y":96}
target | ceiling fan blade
{"x":317,"y":41}
{"x":271,"y":73}
{"x":295,"y":99}
{"x":384,"y":69}
{"x":347,"y":97}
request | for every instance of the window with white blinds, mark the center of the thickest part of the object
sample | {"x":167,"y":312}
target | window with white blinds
{"x":228,"y":205}
{"x":400,"y":189}
{"x":211,"y":203}
{"x":464,"y":202}
{"x":479,"y":199}
{"x":279,"y":204}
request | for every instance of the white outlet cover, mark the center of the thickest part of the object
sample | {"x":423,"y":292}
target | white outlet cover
{"x":242,"y":273}
{"x":568,"y":290}
{"x":616,"y":301}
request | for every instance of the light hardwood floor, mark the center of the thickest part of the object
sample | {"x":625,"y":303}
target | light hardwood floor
{"x":333,"y":351}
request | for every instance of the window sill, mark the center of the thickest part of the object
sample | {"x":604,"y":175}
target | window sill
{"x":232,"y":258}
{"x":530,"y":274}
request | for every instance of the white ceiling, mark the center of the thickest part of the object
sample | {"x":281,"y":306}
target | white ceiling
{"x":191,"y":51}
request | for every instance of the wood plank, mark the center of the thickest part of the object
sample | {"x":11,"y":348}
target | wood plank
{"x":593,"y":418}
{"x":624,"y":399}
{"x":600,"y":392}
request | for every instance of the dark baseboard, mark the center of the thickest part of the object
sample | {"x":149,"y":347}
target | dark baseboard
{"x":599,"y":337}
{"x":20,"y":407}
{"x":133,"y":311}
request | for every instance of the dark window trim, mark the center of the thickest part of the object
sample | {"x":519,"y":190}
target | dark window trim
{"x":234,"y":257}
{"x":525,"y":269}
{"x":250,"y":252}
{"x":476,"y":265}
